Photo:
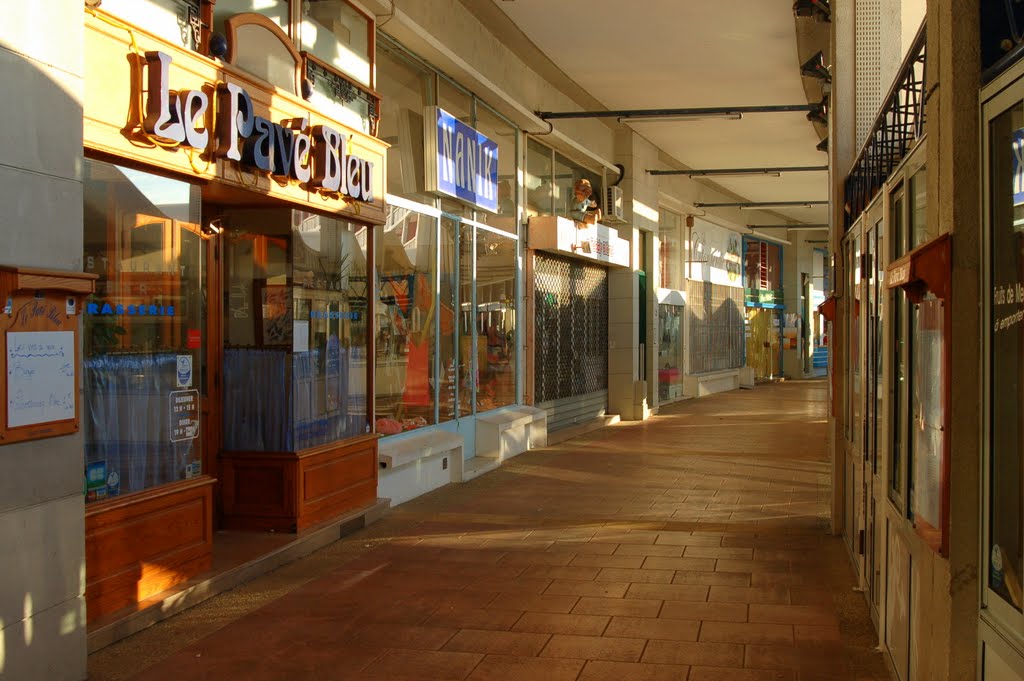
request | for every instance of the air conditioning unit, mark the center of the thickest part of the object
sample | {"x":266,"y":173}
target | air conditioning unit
{"x":613,"y":212}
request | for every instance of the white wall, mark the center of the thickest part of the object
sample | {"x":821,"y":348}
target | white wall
{"x":42,"y":609}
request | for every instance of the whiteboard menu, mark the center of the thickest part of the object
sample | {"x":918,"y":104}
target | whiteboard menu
{"x":40,"y":377}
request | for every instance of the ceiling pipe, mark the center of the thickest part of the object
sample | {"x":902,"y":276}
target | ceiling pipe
{"x":664,"y":113}
{"x":760,"y":204}
{"x":739,"y":171}
{"x":794,"y":227}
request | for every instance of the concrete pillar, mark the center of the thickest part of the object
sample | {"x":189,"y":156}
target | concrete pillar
{"x":42,"y":607}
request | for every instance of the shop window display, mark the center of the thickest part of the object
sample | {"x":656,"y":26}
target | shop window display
{"x":495,"y":319}
{"x":295,"y":330}
{"x":407,"y":310}
{"x":1006,"y":359}
{"x":670,"y":352}
{"x":143,"y":369}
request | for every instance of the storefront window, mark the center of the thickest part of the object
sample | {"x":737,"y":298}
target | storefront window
{"x":177,"y":21}
{"x":469,"y":351}
{"x":919,"y":232}
{"x":447,"y":319}
{"x":275,"y":10}
{"x":407,"y":90}
{"x":670,"y":352}
{"x":1006,"y":357}
{"x":670,"y":252}
{"x":495,"y":128}
{"x":566,"y":175}
{"x":540,"y":193}
{"x":406,"y":346}
{"x":496,"y":319}
{"x":338,"y":34}
{"x":294,"y":330}
{"x":901,"y":359}
{"x":144,"y":331}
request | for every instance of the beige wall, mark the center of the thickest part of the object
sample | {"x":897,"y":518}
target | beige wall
{"x":42,"y":609}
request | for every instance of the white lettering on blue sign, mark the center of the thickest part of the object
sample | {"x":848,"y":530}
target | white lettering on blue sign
{"x":467,"y":163}
{"x":333,"y":314}
{"x":1017,"y":143}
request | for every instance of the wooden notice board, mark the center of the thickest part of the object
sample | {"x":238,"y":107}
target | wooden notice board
{"x":39,"y":351}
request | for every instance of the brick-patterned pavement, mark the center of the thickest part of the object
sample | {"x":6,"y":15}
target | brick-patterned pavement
{"x":691,"y":547}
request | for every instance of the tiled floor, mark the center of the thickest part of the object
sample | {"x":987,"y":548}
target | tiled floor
{"x":692,"y":547}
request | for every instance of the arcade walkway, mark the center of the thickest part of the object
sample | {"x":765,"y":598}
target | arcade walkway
{"x":690,"y":547}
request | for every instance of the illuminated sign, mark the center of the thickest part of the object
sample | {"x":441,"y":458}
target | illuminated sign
{"x":313,"y":155}
{"x":461,"y":162}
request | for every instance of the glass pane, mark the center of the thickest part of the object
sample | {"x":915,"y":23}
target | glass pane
{"x":409,"y":89}
{"x":670,"y":352}
{"x":496,"y":320}
{"x":568,"y":202}
{"x":275,"y":10}
{"x":176,"y":21}
{"x":258,"y":327}
{"x":1006,"y":347}
{"x":406,"y":253}
{"x":144,"y":331}
{"x":855,"y":342}
{"x":919,"y":232}
{"x":540,"y":194}
{"x":329,"y":271}
{"x":927,"y":402}
{"x":670,"y":251}
{"x":899,"y":378}
{"x":488,"y":123}
{"x":339,"y":34}
{"x":469,"y":351}
{"x":446,"y":306}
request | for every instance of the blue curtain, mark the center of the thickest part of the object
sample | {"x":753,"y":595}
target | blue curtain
{"x":256,"y":409}
{"x":127,"y":421}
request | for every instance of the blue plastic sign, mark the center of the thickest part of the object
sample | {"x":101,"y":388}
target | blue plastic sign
{"x":465,"y":164}
{"x":1018,"y":167}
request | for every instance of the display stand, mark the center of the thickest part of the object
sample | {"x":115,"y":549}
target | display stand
{"x":927,"y":270}
{"x":39,"y":351}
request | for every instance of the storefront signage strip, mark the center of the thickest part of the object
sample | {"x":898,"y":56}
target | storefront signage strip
{"x":461,"y":161}
{"x":316,"y":155}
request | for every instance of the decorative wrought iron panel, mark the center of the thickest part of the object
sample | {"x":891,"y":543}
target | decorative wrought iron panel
{"x":716,"y":326}
{"x":571,"y":336}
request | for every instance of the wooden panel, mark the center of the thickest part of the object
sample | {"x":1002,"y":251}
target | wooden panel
{"x":258,"y":490}
{"x":337,"y":479}
{"x":141,"y":544}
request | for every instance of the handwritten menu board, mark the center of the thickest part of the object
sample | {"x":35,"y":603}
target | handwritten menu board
{"x":40,"y":377}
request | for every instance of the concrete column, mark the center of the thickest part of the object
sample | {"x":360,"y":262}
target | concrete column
{"x":42,"y":607}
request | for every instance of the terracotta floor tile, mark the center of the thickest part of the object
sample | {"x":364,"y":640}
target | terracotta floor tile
{"x":804,"y":633}
{"x":757,"y":594}
{"x":594,"y":648}
{"x":497,"y":642}
{"x":625,"y":536}
{"x":586,"y":548}
{"x":422,"y":664}
{"x":669,"y":592}
{"x":673,"y":538}
{"x":474,"y":618}
{"x":718,"y":552}
{"x":608,"y":561}
{"x":510,"y":668}
{"x":531,"y":603}
{"x":397,"y":636}
{"x":730,"y":674}
{"x":601,"y":670}
{"x":631,"y":607}
{"x":712,"y":578}
{"x":519,"y":585}
{"x":714,"y":612}
{"x":654,"y":628}
{"x":746,"y":632}
{"x":649,"y":550}
{"x":694,"y":653}
{"x":550,"y":623}
{"x":793,"y":614}
{"x":684,"y":563}
{"x":559,"y":572}
{"x":636,"y":575}
{"x":528,"y":558}
{"x":577,"y":587}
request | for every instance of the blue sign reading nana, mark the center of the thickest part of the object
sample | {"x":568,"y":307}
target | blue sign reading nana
{"x":1018,"y":167}
{"x":466,"y":165}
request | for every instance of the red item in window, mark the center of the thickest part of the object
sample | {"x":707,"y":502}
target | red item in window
{"x":417,"y":372}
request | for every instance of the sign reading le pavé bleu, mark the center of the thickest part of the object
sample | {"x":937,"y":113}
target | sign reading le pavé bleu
{"x":461,"y":162}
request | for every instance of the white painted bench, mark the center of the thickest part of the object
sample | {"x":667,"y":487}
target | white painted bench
{"x":506,"y":433}
{"x":417,"y":464}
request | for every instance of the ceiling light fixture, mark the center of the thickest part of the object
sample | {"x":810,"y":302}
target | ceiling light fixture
{"x":823,"y":145}
{"x":819,"y":112}
{"x":815,"y":68}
